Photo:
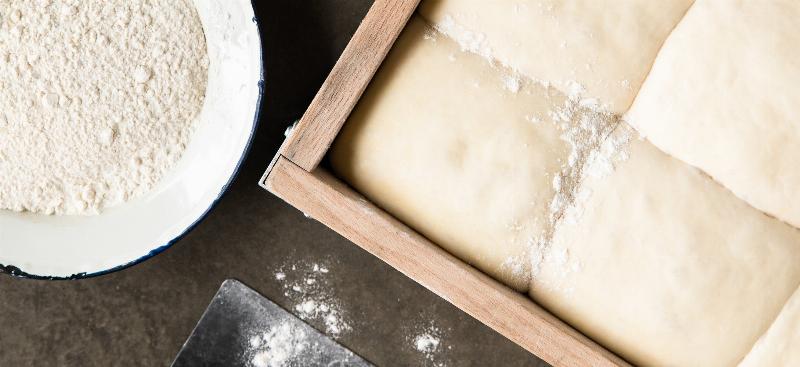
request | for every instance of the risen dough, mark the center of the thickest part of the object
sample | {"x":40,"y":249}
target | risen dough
{"x":656,"y":260}
{"x":723,"y":96}
{"x":606,"y":46}
{"x":780,"y":346}
{"x":440,"y":142}
{"x":675,"y":271}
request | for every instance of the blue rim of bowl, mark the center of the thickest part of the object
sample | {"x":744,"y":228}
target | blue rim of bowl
{"x":19,"y":273}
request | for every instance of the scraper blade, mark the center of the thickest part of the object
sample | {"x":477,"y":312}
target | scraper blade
{"x":242,"y":328}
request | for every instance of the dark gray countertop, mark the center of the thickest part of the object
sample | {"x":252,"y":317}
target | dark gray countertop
{"x":141,"y":316}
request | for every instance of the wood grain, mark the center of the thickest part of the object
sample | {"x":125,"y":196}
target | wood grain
{"x":349,"y":78}
{"x":328,"y":200}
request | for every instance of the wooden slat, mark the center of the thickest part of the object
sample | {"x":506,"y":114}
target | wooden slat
{"x":349,"y":78}
{"x":512,"y":314}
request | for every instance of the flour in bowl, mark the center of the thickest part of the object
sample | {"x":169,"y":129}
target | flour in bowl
{"x":97,"y":99}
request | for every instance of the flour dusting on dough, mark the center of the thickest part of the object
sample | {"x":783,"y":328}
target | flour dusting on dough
{"x":585,"y":126}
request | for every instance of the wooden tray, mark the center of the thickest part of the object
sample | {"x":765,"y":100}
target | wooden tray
{"x":294,"y":175}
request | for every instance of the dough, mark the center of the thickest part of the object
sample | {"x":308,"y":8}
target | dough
{"x":780,"y":346}
{"x":723,"y":96}
{"x":607,"y":47}
{"x":672,"y":269}
{"x":653,"y":259}
{"x":441,"y":141}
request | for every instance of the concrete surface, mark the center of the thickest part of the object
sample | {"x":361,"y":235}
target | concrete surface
{"x":141,"y":316}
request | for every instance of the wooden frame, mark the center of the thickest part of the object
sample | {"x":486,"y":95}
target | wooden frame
{"x":294,"y":175}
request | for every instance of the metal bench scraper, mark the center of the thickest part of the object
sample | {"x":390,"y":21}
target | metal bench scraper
{"x":242,"y":328}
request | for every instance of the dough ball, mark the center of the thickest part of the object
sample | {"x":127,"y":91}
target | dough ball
{"x":606,"y":47}
{"x":672,"y":269}
{"x":723,"y":96}
{"x":779,"y":346}
{"x":459,"y":150}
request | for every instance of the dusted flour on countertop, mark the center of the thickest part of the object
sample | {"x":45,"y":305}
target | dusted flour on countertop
{"x":307,"y":286}
{"x":97,"y":99}
{"x":429,"y":342}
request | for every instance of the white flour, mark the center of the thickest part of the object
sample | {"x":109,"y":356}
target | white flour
{"x":307,"y":286}
{"x":288,"y":343}
{"x":280,"y":346}
{"x":586,"y":128}
{"x":474,"y":42}
{"x":97,"y":99}
{"x":426,"y":343}
{"x":429,"y":342}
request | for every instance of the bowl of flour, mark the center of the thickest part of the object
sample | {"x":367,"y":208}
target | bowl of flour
{"x":121,"y":124}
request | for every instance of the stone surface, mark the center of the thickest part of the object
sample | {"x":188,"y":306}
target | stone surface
{"x":141,"y":316}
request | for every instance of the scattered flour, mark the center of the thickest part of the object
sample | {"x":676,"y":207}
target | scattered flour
{"x":586,"y":127}
{"x":516,"y":266}
{"x":474,"y":42}
{"x":512,"y":83}
{"x":97,"y":99}
{"x":282,"y":345}
{"x":307,"y":286}
{"x":428,"y":341}
{"x":288,"y":343}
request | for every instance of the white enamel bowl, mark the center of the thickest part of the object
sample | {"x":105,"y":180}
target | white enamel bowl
{"x":73,"y":247}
